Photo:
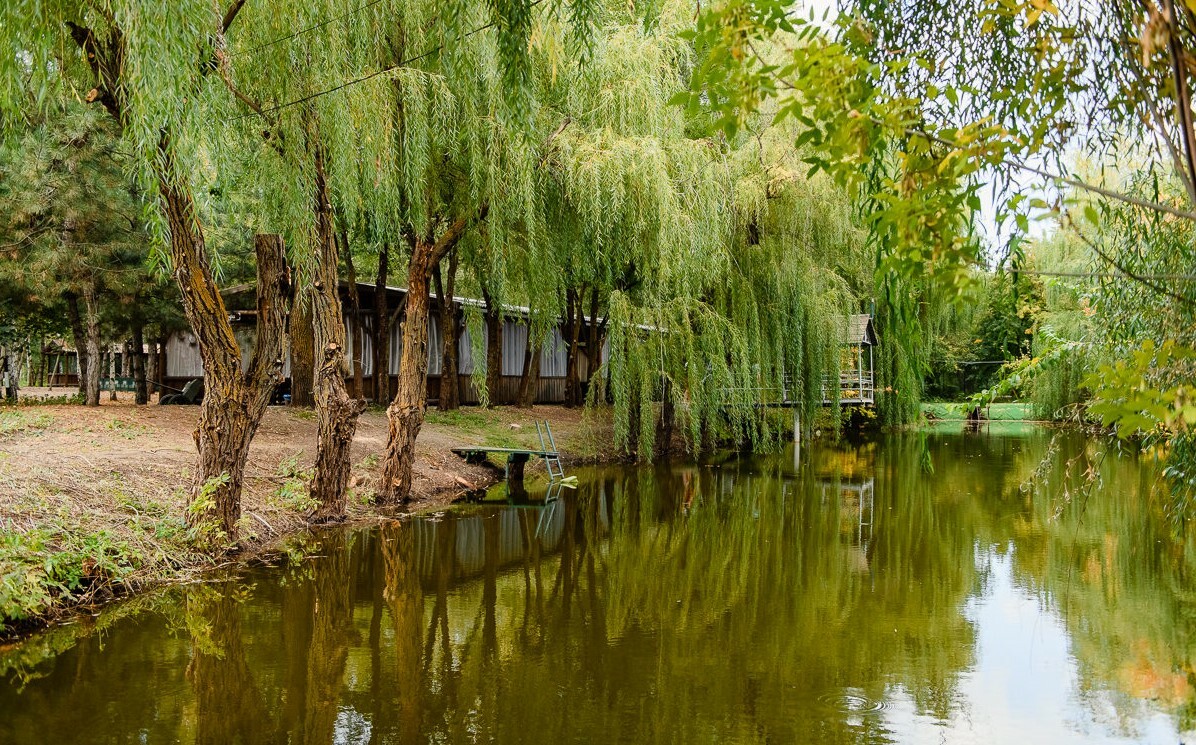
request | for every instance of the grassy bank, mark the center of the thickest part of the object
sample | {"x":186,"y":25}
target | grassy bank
{"x":1014,"y":411}
{"x":92,"y":500}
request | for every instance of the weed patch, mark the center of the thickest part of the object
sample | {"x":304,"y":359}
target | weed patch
{"x":294,"y":493}
{"x":52,"y":565}
{"x":14,"y":420}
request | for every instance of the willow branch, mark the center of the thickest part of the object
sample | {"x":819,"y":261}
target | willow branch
{"x":1183,"y":96}
{"x":1141,"y":279}
{"x":456,"y":231}
{"x":231,"y":15}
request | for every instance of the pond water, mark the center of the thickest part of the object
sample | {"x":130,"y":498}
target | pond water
{"x":1004,"y":587}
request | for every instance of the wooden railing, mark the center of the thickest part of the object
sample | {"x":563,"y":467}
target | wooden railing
{"x":854,"y":388}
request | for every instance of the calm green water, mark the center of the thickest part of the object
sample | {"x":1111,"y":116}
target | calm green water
{"x":917,"y":589}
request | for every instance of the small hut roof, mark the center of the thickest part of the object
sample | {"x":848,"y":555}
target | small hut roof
{"x":857,"y":329}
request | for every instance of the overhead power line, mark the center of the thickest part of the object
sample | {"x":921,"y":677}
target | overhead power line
{"x":309,"y":29}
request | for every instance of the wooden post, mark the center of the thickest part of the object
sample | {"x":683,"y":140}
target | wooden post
{"x":859,"y":369}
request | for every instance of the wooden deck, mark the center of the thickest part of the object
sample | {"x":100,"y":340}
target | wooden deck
{"x":517,"y":458}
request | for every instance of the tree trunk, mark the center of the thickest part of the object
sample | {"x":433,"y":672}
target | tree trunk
{"x":529,"y":382}
{"x":594,"y":340}
{"x":92,"y":384}
{"x":111,"y":373}
{"x":126,"y":359}
{"x":493,"y":349}
{"x":41,"y":362}
{"x":405,"y":414}
{"x":358,"y":358}
{"x":160,"y":379}
{"x":450,"y":398}
{"x":140,"y":391}
{"x":382,"y":329}
{"x":151,"y":369}
{"x":336,"y":412}
{"x":303,"y":352}
{"x":233,"y":402}
{"x":79,"y":333}
{"x":573,"y":310}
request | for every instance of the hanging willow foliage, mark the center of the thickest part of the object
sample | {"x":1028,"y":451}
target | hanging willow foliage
{"x":727,"y":272}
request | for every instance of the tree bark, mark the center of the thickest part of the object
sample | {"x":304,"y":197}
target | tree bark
{"x":493,"y":349}
{"x":303,"y":352}
{"x":233,"y":402}
{"x":529,"y":382}
{"x":405,"y":414}
{"x":358,"y":357}
{"x":111,"y":373}
{"x":151,"y":369}
{"x":92,"y":304}
{"x":79,"y":333}
{"x":594,"y":341}
{"x":140,"y":392}
{"x":450,"y":398}
{"x":382,"y":329}
{"x":160,"y":379}
{"x":336,"y":412}
{"x":573,"y":310}
{"x":126,"y":359}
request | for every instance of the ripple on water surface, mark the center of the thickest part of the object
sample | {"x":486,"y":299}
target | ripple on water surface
{"x":852,"y":701}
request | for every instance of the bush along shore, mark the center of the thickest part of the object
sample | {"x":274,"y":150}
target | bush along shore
{"x":93,"y":503}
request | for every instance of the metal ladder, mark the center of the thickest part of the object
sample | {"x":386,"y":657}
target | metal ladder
{"x":552,"y":458}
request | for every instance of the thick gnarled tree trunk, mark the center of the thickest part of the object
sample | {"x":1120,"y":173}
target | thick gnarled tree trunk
{"x":233,"y":402}
{"x":336,"y":411}
{"x":405,"y":414}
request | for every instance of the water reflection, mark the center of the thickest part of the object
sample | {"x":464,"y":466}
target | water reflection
{"x":898,"y":591}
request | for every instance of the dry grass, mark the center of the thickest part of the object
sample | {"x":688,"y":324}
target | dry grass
{"x":92,"y":499}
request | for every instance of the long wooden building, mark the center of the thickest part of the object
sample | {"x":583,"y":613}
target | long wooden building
{"x":183,"y":361}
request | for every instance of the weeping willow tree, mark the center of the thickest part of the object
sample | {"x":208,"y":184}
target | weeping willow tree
{"x":725,"y":271}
